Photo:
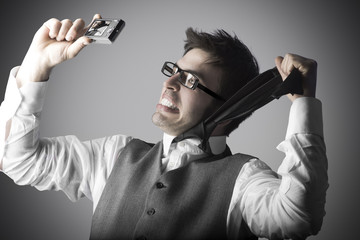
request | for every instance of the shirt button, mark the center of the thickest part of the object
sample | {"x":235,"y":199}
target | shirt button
{"x":160,"y":185}
{"x":151,"y":211}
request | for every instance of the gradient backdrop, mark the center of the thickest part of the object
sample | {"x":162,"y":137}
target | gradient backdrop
{"x":114,"y":89}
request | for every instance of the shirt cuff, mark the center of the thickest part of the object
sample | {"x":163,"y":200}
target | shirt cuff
{"x":33,"y":97}
{"x":12,"y":97}
{"x":305,"y":117}
{"x":8,"y":108}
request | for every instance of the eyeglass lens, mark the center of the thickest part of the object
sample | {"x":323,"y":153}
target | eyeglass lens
{"x":186,"y":78}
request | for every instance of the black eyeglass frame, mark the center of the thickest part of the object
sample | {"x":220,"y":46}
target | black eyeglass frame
{"x":196,"y":84}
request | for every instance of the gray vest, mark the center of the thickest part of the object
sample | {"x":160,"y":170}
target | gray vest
{"x":192,"y":202}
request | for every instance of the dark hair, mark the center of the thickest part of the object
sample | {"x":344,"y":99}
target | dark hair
{"x":231,"y":56}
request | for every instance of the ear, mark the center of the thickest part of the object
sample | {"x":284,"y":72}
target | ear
{"x":220,"y":128}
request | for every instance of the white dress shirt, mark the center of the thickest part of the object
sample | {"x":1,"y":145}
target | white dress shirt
{"x":287,"y":203}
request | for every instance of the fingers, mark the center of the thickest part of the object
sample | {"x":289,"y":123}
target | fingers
{"x":54,"y":26}
{"x":307,"y":67}
{"x":278,"y":63}
{"x":66,"y":30}
{"x":96,"y":16}
{"x":65,"y":37}
{"x":76,"y":30}
{"x":290,"y":61}
{"x":285,"y":64}
{"x":76,"y":47}
{"x":65,"y":26}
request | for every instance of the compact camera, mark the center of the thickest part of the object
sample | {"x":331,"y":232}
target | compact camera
{"x":105,"y":31}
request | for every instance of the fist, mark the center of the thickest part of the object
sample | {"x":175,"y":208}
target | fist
{"x":307,"y":67}
{"x":56,"y":41}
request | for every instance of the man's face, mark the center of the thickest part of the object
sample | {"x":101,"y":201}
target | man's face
{"x":181,"y":108}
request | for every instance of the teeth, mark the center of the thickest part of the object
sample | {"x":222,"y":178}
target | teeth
{"x":167,"y":103}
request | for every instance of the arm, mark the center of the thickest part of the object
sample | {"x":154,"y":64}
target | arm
{"x":289,"y":203}
{"x":52,"y":44}
{"x":62,"y":163}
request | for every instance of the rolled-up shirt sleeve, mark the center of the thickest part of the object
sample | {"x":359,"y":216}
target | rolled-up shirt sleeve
{"x":289,"y":203}
{"x":78,"y":168}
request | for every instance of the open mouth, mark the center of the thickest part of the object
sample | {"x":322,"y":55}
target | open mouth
{"x":167,"y":106}
{"x":165,"y":102}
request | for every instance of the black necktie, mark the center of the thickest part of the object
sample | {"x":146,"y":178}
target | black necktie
{"x":256,"y":93}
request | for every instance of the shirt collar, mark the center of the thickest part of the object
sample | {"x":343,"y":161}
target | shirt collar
{"x":167,"y":140}
{"x":217,"y":143}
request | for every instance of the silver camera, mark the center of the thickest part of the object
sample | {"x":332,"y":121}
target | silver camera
{"x":105,"y":31}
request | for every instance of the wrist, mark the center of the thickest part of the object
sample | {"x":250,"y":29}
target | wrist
{"x":32,"y":69}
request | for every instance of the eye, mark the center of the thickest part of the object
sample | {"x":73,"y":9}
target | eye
{"x":190,"y":80}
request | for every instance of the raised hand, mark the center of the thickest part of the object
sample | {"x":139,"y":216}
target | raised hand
{"x":56,"y":41}
{"x":306,"y":66}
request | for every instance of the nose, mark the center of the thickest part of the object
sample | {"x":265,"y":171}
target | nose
{"x":172,"y":83}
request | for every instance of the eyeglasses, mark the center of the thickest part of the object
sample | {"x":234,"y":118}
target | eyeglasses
{"x":187,"y":79}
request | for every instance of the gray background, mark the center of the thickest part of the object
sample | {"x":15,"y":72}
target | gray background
{"x":114,"y":89}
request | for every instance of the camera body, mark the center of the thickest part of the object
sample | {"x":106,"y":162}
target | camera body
{"x":105,"y":31}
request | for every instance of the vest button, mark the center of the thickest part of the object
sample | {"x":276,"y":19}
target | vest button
{"x":160,"y":185}
{"x":151,"y":211}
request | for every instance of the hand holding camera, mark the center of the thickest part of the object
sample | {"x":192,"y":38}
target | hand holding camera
{"x":57,"y":41}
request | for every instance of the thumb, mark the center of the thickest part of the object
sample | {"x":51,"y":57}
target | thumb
{"x":77,"y":46}
{"x":96,"y":16}
{"x":278,"y":62}
{"x":84,"y":30}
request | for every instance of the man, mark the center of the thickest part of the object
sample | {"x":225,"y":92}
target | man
{"x":173,"y":189}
